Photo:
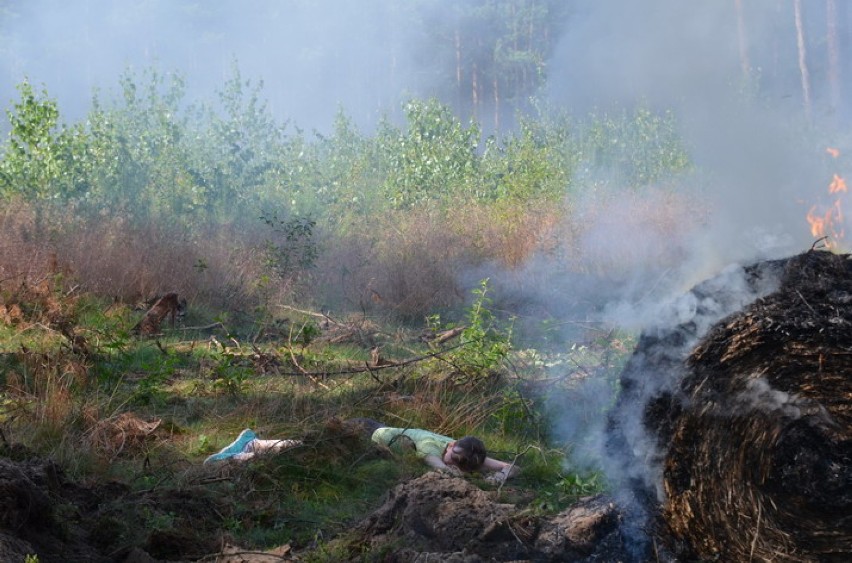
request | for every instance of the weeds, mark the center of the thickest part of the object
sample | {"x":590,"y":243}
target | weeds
{"x":147,"y":413}
{"x":484,"y":343}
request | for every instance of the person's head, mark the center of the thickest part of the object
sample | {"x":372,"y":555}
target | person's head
{"x":468,"y":453}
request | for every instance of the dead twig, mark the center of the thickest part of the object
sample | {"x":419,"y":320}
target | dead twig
{"x":13,"y":276}
{"x":313,"y":314}
{"x":756,"y":533}
{"x":512,"y":466}
{"x":303,"y":371}
{"x":205,"y":327}
{"x":306,"y":373}
{"x":441,"y":337}
{"x":819,"y":240}
{"x":216,"y":556}
{"x":808,"y":305}
{"x":436,"y":355}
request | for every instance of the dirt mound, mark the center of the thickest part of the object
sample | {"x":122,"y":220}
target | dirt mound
{"x":44,"y":513}
{"x":31,"y":519}
{"x":444,"y":518}
{"x":436,"y":517}
{"x":744,"y":429}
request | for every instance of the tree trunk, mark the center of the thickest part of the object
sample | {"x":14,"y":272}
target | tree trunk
{"x":458,"y":66}
{"x":803,"y":63}
{"x":474,"y":90}
{"x":833,"y":56}
{"x":496,"y":102}
{"x":743,"y":41}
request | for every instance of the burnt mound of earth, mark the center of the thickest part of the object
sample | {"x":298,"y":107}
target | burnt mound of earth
{"x":46,"y":514}
{"x":437,"y":517}
{"x":732,"y":431}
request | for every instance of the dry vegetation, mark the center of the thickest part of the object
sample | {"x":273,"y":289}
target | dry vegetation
{"x":77,"y":388}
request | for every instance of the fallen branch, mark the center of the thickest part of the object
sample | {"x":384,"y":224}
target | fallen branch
{"x":442,"y":337}
{"x":306,"y":373}
{"x":313,"y":314}
{"x":206,"y":327}
{"x":365,"y":368}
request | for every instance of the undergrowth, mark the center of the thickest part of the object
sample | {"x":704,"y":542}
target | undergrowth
{"x":78,"y":388}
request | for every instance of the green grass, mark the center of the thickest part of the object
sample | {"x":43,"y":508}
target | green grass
{"x":204,"y":394}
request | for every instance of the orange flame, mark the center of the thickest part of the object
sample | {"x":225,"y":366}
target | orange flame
{"x":830,"y":223}
{"x":838,"y":185}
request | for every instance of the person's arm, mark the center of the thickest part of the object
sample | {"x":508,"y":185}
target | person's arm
{"x":436,"y":462}
{"x":504,"y":469}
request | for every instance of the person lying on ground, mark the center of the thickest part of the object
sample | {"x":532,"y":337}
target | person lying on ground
{"x":440,"y":452}
{"x":248,"y":445}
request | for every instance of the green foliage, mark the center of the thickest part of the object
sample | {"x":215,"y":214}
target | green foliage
{"x":41,"y":159}
{"x":535,"y":164}
{"x":319,"y":488}
{"x":304,"y":334}
{"x":434,"y":160}
{"x":293,"y":248}
{"x":158,"y":369}
{"x":239,"y":161}
{"x":202,"y":445}
{"x":156,"y":520}
{"x":151,"y":153}
{"x":350,"y":168}
{"x":484,"y":344}
{"x":518,"y":412}
{"x":577,"y":485}
{"x":230,"y":378}
{"x":637,"y":149}
{"x":143,"y":151}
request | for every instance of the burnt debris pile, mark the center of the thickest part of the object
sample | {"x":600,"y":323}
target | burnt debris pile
{"x":438,"y":517}
{"x":744,"y":427}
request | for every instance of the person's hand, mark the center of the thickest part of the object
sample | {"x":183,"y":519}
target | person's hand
{"x":497,"y":478}
{"x":451,"y":470}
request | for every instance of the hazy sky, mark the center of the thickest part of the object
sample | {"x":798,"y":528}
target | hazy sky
{"x":368,"y":55}
{"x":312,"y":56}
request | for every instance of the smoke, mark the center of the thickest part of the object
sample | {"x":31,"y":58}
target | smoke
{"x":312,"y":57}
{"x":760,"y":396}
{"x":758,"y":163}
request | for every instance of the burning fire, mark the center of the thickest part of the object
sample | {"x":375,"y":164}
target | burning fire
{"x":830,"y":222}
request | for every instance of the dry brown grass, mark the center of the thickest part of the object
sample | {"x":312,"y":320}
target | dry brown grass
{"x":133,"y":262}
{"x":45,"y":385}
{"x":627,"y":231}
{"x":507,"y":233}
{"x":411,"y":263}
{"x":121,"y":259}
{"x":25,"y":251}
{"x":406,"y":264}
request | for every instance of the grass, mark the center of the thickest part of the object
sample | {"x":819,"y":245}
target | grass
{"x":203,"y":389}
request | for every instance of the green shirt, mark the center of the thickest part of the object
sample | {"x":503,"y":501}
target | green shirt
{"x":425,"y":442}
